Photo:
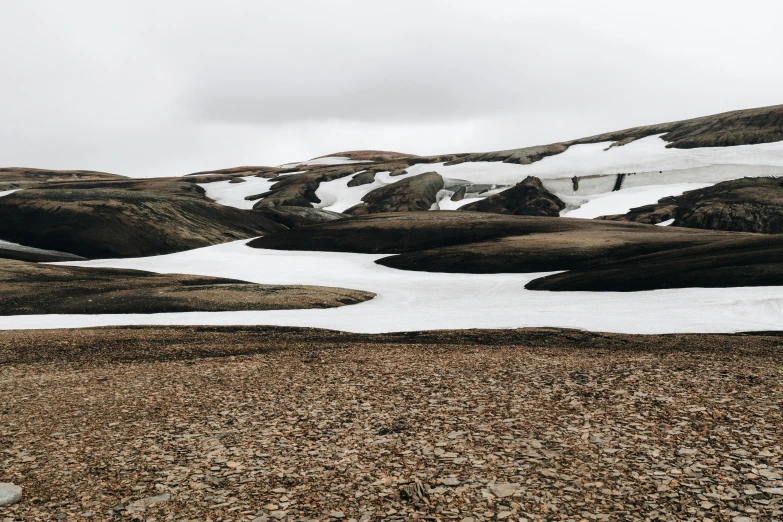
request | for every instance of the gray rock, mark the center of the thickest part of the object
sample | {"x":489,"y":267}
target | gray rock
{"x":459,"y":195}
{"x":143,"y":504}
{"x":503,"y":489}
{"x":9,"y":493}
{"x":526,"y":198}
{"x":363,"y":178}
{"x":416,"y":193}
{"x":449,"y":481}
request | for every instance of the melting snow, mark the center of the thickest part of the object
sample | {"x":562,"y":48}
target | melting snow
{"x":337,"y":196}
{"x":428,"y":301}
{"x":645,"y":155}
{"x":6,"y":192}
{"x":622,"y":201}
{"x":7,"y":245}
{"x":233,"y":194}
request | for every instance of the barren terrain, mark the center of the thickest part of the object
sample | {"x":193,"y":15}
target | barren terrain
{"x":291,"y":424}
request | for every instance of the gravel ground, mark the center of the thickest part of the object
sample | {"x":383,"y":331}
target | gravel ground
{"x":274,"y":424}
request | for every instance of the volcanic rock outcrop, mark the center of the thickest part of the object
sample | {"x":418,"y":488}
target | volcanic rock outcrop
{"x":415,"y":193}
{"x":527,"y":198}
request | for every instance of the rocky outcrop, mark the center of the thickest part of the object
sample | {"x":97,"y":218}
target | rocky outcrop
{"x":744,"y":127}
{"x":741,"y":205}
{"x":415,"y":193}
{"x":298,"y":190}
{"x":363,"y":178}
{"x":108,"y":222}
{"x":459,"y":195}
{"x":293,"y":217}
{"x":527,"y":198}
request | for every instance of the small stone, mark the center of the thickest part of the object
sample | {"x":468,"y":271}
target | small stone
{"x":337,"y":514}
{"x":449,"y":481}
{"x":143,"y":504}
{"x":9,"y":493}
{"x":503,"y":489}
{"x":279,"y":514}
{"x":262,"y":518}
{"x":773,"y":491}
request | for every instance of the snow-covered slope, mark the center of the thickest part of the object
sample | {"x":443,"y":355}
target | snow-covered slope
{"x":429,"y":301}
{"x":337,"y":196}
{"x":585,"y":174}
{"x":621,"y":201}
{"x":647,"y":156}
{"x":6,"y":192}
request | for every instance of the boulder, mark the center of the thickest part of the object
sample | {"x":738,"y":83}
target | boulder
{"x":410,"y":194}
{"x":527,"y":198}
{"x":9,"y":493}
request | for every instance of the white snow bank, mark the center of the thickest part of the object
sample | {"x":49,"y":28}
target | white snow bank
{"x":6,"y":192}
{"x":665,"y":223}
{"x":328,"y":160}
{"x":233,"y":194}
{"x":427,"y":301}
{"x":337,"y":196}
{"x":645,"y":155}
{"x":622,"y":201}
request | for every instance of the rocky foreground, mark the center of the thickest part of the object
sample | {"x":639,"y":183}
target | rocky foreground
{"x":260,"y":424}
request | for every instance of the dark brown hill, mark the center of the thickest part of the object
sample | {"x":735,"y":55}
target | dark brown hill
{"x":100,"y":222}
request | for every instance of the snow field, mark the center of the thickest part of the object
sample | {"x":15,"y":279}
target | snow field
{"x":431,"y":301}
{"x":622,"y":201}
{"x":233,"y":194}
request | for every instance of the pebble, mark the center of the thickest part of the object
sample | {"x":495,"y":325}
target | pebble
{"x":9,"y":493}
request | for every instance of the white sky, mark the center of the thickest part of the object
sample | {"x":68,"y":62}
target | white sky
{"x":169,"y":87}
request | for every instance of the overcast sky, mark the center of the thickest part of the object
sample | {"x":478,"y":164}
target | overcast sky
{"x":168,"y":87}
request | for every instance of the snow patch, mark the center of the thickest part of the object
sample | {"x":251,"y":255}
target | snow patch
{"x":622,"y":201}
{"x":337,"y":196}
{"x":7,"y":245}
{"x":429,"y":301}
{"x":665,"y":223}
{"x":233,"y":194}
{"x":6,"y":192}
{"x":647,"y":155}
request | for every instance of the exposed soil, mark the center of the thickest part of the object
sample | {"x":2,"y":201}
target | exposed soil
{"x":108,"y":222}
{"x":747,"y":261}
{"x":22,"y":177}
{"x":295,"y":424}
{"x":29,"y":288}
{"x":293,"y":217}
{"x":741,"y":205}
